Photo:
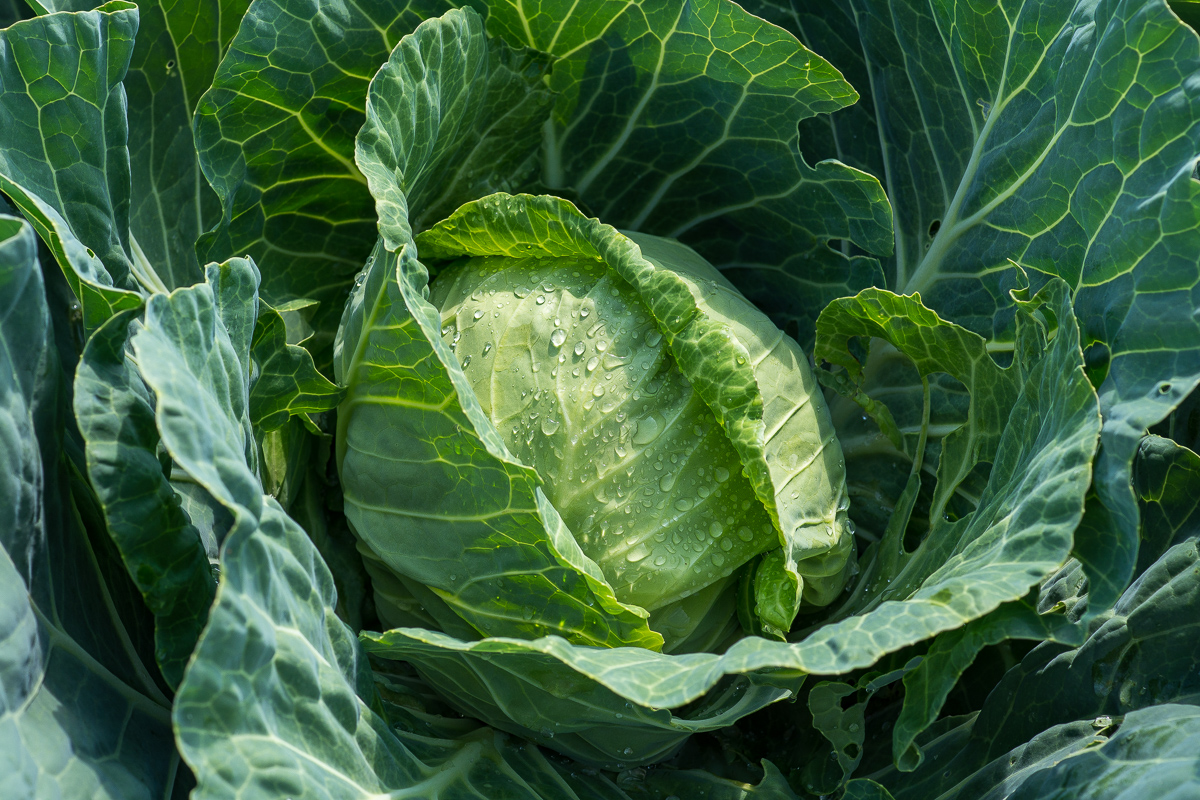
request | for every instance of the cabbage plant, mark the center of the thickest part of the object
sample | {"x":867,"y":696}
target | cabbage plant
{"x":576,"y":399}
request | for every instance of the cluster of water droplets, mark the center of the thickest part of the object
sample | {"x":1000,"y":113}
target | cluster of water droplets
{"x":578,"y":379}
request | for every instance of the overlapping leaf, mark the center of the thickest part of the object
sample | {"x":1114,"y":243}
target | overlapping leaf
{"x":63,"y":159}
{"x":681,"y":120}
{"x":174,"y":59}
{"x":1142,"y":653}
{"x":315,"y":725}
{"x":1060,"y":137}
{"x":292,"y":91}
{"x":80,"y":714}
{"x":287,"y":382}
{"x":162,"y":550}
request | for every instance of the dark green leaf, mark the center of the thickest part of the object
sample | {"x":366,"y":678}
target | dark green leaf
{"x":292,"y":91}
{"x":680,"y":119}
{"x":287,"y":382}
{"x":1059,"y":137}
{"x":1145,"y":651}
{"x":927,"y":686}
{"x":80,"y":714}
{"x":161,"y":549}
{"x":63,"y":159}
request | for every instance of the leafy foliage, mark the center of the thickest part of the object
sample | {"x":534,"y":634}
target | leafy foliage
{"x":599,"y":400}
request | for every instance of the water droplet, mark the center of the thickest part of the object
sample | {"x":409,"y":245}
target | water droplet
{"x":478,"y":315}
{"x":740,"y":360}
{"x":487,"y":348}
{"x":628,"y":750}
{"x":666,"y":481}
{"x":598,"y":391}
{"x":558,"y":337}
{"x":638,"y":553}
{"x":583,"y":312}
{"x":726,"y":545}
{"x":716,"y":529}
{"x":579,"y":348}
{"x":718,"y":559}
{"x":745,"y":534}
{"x":660,"y":560}
{"x":653,"y":337}
{"x":683,"y":504}
{"x":466,"y":362}
{"x":593,"y":362}
{"x":647,"y":430}
{"x":541,"y":298}
{"x":602,"y":346}
{"x":549,"y":425}
{"x":721,"y":474}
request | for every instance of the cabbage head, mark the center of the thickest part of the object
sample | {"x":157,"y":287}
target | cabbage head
{"x":587,"y":434}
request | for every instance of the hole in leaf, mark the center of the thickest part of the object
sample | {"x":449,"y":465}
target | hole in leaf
{"x":1164,"y":388}
{"x":849,"y":701}
{"x":851,"y":750}
{"x":934,"y":227}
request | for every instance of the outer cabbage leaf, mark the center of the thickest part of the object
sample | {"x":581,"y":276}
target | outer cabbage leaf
{"x":174,"y":59}
{"x":1060,"y":137}
{"x":81,"y":716}
{"x":1141,"y":653}
{"x":522,"y":687}
{"x":199,"y":371}
{"x":279,"y":697}
{"x":790,"y":209}
{"x":680,"y":119}
{"x":1154,"y":750}
{"x":927,"y":686}
{"x":63,"y":159}
{"x":286,"y":382}
{"x":311,"y":225}
{"x":162,"y":550}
